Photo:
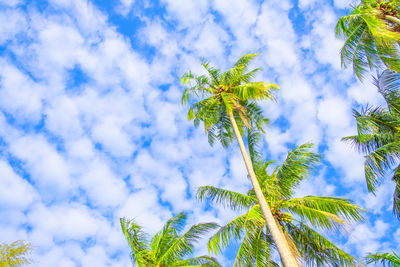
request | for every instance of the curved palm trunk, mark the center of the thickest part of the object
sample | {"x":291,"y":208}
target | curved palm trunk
{"x":287,"y":258}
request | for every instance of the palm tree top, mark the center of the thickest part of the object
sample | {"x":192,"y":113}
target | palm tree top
{"x":213,"y":96}
{"x":372,"y":34}
{"x":168,"y":247}
{"x":378,"y":137}
{"x":297,"y":217}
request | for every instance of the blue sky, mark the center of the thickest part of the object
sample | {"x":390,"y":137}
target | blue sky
{"x":91,"y":126}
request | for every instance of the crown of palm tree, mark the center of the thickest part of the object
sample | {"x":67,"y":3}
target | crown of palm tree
{"x":372,"y":34}
{"x":379,"y":136}
{"x":297,"y":217}
{"x":15,"y":254}
{"x":167,"y":247}
{"x":212,"y":97}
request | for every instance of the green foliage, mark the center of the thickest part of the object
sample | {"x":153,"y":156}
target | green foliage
{"x":14,"y":254}
{"x":372,"y":33}
{"x":167,"y":247}
{"x":386,"y":259}
{"x":214,"y":96}
{"x":378,"y":136}
{"x":296,"y":216}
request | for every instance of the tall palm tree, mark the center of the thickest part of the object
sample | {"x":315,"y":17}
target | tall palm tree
{"x":372,"y":33}
{"x":167,"y":247}
{"x":226,"y":100}
{"x":379,"y":136}
{"x":386,"y":259}
{"x":296,"y":217}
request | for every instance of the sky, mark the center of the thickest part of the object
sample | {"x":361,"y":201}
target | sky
{"x":92,"y":128}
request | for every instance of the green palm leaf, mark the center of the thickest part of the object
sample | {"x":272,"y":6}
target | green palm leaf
{"x":235,"y":229}
{"x":297,"y":165}
{"x":225,"y":198}
{"x":204,"y":261}
{"x":386,"y":259}
{"x":167,"y":247}
{"x":323,"y":212}
{"x":161,"y":240}
{"x":249,"y":228}
{"x":372,"y":36}
{"x":378,"y":136}
{"x":183,"y":245}
{"x":316,"y":250}
{"x":254,"y":250}
{"x":213,"y":97}
{"x":137,"y":240}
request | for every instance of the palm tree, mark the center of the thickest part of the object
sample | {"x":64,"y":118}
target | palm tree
{"x":226,"y":100}
{"x":386,"y":259}
{"x":14,"y":254}
{"x":372,"y":33}
{"x":378,"y":136}
{"x":167,"y":247}
{"x":296,"y":217}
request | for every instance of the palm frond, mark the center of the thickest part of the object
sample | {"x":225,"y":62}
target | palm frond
{"x":396,"y":194}
{"x":255,"y":91}
{"x":324,"y":212}
{"x":183,"y":245}
{"x":225,"y":198}
{"x":388,"y":84}
{"x":378,"y":162}
{"x":371,"y":40}
{"x":386,"y":259}
{"x":212,"y":71}
{"x":297,"y":166}
{"x":137,"y":240}
{"x":235,"y":229}
{"x":316,"y":250}
{"x":162,"y":240}
{"x":254,"y":250}
{"x":203,"y":261}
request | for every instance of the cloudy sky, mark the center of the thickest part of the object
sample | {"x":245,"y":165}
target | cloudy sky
{"x":92,"y":129}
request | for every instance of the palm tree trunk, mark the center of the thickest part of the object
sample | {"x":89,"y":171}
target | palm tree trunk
{"x":287,"y":258}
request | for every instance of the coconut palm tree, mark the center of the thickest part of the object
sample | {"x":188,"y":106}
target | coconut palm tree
{"x":227,"y":100}
{"x":14,"y":254}
{"x":297,"y":218}
{"x":378,"y":136}
{"x":167,"y":247}
{"x":385,"y":259}
{"x":372,"y":34}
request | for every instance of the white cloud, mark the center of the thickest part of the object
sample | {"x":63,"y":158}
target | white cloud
{"x":366,"y":237}
{"x":365,"y":93}
{"x":47,"y":167}
{"x":13,"y":23}
{"x":344,"y":3}
{"x":326,"y":45}
{"x":102,"y":187}
{"x":76,"y":221}
{"x":24,"y":103}
{"x":15,"y":192}
{"x":280,"y":53}
{"x":125,"y":6}
{"x":179,"y":10}
{"x":334,"y":112}
{"x":63,"y":118}
{"x":143,"y":206}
